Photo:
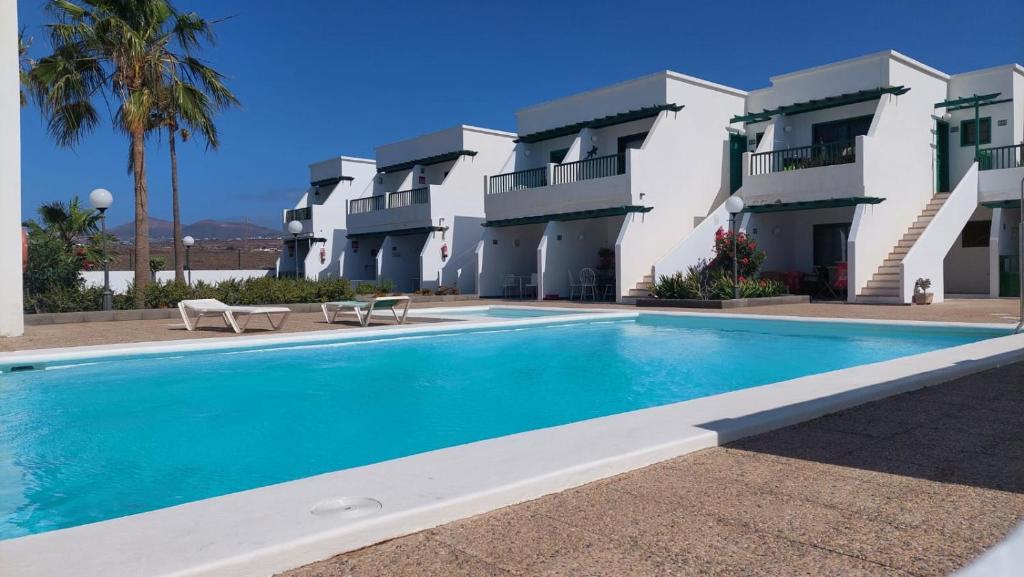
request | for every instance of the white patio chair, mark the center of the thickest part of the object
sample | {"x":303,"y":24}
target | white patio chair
{"x":194,"y":310}
{"x":574,"y":286}
{"x":588,"y":283}
{"x":532,"y":285}
{"x":364,"y":309}
{"x":511,"y":284}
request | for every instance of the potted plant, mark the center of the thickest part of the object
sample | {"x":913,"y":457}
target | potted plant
{"x":921,"y":294}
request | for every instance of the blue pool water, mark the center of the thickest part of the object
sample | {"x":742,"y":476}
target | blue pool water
{"x":507,"y":313}
{"x":98,"y":441}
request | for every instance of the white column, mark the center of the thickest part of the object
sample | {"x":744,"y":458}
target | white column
{"x":11,"y":320}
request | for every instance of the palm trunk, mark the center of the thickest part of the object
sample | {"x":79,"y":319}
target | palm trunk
{"x":179,"y":258}
{"x":138,"y":136}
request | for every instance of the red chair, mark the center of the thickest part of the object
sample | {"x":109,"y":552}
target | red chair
{"x":839,"y":283}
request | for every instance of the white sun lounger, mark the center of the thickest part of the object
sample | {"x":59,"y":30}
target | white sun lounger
{"x":193,"y":310}
{"x":364,"y":309}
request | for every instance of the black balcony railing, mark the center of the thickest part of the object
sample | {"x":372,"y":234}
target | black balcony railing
{"x":529,"y":178}
{"x":408,"y":197}
{"x":599,"y":167}
{"x":367,"y":204}
{"x":1001,"y":157}
{"x":304,"y":213}
{"x":826,"y":154}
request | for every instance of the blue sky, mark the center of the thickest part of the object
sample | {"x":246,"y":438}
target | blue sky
{"x":321,"y":78}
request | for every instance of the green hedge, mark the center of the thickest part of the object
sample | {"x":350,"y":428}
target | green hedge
{"x":706,"y":283}
{"x":253,"y":291}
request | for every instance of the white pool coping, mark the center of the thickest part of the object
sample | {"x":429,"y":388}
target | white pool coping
{"x":270,"y":529}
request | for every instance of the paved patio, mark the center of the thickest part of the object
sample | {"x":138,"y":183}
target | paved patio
{"x":98,"y":333}
{"x":915,"y":485}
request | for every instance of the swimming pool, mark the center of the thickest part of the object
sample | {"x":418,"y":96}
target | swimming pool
{"x":113,"y":437}
{"x":499,"y":312}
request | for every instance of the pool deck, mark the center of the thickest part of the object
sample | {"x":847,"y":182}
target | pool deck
{"x":99,"y":333}
{"x":914,"y":485}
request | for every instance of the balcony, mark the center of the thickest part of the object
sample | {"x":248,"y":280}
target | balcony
{"x":392,"y":211}
{"x":832,"y":172}
{"x":409,"y":197}
{"x":300,"y":214}
{"x":1001,"y":172}
{"x":803,"y":157}
{"x":582,"y":185}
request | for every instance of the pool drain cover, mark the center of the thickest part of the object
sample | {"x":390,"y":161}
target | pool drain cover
{"x":346,"y":507}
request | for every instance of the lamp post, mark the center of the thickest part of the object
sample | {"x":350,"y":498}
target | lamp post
{"x":188,"y":241}
{"x":295,"y":227}
{"x":101,"y":199}
{"x":734,"y":205}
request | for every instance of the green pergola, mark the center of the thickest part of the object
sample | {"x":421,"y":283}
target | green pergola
{"x":811,"y":204}
{"x":330,"y":181}
{"x":620,"y":118}
{"x":396,"y":232}
{"x":820,"y":104}
{"x":567,"y":216}
{"x":426,"y":161}
{"x":974,"y":101}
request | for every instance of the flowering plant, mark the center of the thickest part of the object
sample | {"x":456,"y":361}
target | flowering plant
{"x":750,"y":257}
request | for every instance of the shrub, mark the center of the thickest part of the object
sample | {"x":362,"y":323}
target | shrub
{"x":703,"y":282}
{"x":750,"y":257}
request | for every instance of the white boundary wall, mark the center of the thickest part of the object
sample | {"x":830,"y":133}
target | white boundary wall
{"x":11,"y":321}
{"x":120,"y":279}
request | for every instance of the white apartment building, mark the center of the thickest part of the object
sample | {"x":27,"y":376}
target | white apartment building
{"x":317,"y":252}
{"x":610,"y":180}
{"x":419,"y":223}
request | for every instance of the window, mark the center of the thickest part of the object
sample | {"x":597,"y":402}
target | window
{"x":840,"y":130}
{"x":557,"y":156}
{"x":975,"y":234}
{"x":757,"y":139}
{"x":829,"y":241}
{"x":967,"y":135}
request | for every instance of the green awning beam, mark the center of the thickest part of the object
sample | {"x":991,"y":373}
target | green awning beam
{"x":620,"y":118}
{"x":427,"y":161}
{"x":567,"y":216}
{"x":1002,"y":204}
{"x":821,"y":104}
{"x":398,"y":232}
{"x":330,"y":181}
{"x":812,"y":204}
{"x":966,"y":101}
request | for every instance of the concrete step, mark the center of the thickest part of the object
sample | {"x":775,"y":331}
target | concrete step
{"x":628,"y":300}
{"x":648,"y":278}
{"x":887,"y":269}
{"x":893,"y":262}
{"x":879,"y":292}
{"x":919,"y":228}
{"x":639,"y":293}
{"x":906,"y":243}
{"x":929,"y":212}
{"x":645,"y":285}
{"x":893,"y":284}
{"x":899,"y":251}
{"x":877,"y":300}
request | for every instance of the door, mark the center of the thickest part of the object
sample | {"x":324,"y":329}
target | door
{"x":942,"y":157}
{"x":1009,"y":275}
{"x":635,"y":141}
{"x":829,"y":245}
{"x":737,"y":146}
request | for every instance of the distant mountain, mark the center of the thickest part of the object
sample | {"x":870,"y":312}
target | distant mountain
{"x":208,"y":229}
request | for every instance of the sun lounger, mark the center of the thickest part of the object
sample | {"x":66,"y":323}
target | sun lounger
{"x":193,"y":310}
{"x":364,"y":309}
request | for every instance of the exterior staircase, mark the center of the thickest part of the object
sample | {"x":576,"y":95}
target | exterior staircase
{"x":884,"y":286}
{"x":642,"y":290}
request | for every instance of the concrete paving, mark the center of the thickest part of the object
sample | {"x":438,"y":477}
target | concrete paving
{"x":915,"y":485}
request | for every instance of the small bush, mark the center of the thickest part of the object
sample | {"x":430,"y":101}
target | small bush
{"x":707,"y":283}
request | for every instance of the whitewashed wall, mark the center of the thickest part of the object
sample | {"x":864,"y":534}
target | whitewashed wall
{"x":120,"y":279}
{"x":966,"y":270}
{"x":11,"y":321}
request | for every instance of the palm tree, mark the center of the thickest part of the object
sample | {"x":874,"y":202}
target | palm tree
{"x":24,"y":63}
{"x":114,"y":50}
{"x":187,"y":102}
{"x":76,"y":228}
